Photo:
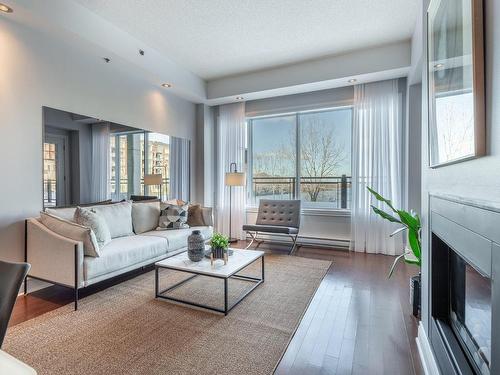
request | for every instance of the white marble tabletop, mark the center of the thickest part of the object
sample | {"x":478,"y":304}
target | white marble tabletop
{"x":13,"y":366}
{"x":240,"y":259}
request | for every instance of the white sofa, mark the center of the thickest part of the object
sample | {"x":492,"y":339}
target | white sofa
{"x":61,"y":260}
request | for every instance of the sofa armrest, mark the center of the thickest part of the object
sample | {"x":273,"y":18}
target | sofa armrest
{"x":53,"y":258}
{"x":208,"y":216}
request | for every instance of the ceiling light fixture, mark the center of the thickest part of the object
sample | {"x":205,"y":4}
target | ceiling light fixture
{"x":239,"y":98}
{"x":166,"y":85}
{"x":437,"y":66}
{"x":6,"y":9}
{"x":352,"y":80}
{"x":106,"y":59}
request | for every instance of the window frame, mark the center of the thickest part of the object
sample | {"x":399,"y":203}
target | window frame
{"x":313,"y":208}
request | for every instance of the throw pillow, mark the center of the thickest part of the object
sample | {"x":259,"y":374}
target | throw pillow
{"x":118,"y":216}
{"x":195,"y":216}
{"x":73,"y":231}
{"x":94,"y":221}
{"x":66,"y":213}
{"x":173,"y":216}
{"x":145,"y":216}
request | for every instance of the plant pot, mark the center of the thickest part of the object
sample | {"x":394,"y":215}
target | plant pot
{"x":415,"y":294}
{"x":218,"y":252}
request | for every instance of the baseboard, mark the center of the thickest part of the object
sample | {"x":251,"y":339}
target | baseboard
{"x":33,"y":286}
{"x":304,"y":241}
{"x":429,"y":364}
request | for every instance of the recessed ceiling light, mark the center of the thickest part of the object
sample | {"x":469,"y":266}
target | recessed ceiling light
{"x":239,"y":98}
{"x":437,"y":66}
{"x":6,"y":9}
{"x":352,"y":80}
{"x":166,"y":85}
{"x":106,"y":59}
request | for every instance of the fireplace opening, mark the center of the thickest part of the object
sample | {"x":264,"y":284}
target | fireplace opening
{"x":470,"y":311}
{"x":461,"y":310}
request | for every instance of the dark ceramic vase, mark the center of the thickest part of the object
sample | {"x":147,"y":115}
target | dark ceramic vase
{"x":196,"y":246}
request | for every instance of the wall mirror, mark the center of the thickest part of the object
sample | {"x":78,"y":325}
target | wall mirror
{"x":455,"y":80}
{"x":87,"y":160}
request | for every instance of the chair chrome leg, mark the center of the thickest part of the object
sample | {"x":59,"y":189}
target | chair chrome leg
{"x":253,"y":239}
{"x":294,"y":245}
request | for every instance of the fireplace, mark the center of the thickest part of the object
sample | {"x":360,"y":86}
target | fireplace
{"x":464,"y":260}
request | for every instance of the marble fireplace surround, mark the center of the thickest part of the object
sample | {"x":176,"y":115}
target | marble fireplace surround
{"x":471,"y":228}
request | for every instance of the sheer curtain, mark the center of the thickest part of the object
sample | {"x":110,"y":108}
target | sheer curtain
{"x":230,"y":148}
{"x":376,"y":162}
{"x":101,"y":166}
{"x":179,"y":171}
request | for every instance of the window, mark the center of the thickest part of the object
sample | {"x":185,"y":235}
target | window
{"x":305,"y":155}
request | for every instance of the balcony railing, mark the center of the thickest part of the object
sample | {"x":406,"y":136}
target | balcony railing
{"x":123,"y":192}
{"x":334,"y":192}
{"x":49,"y":193}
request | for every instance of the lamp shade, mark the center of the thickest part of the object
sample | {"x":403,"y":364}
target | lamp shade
{"x":235,"y":179}
{"x":152,"y":179}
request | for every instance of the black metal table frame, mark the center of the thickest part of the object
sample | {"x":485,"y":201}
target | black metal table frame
{"x":227,"y":308}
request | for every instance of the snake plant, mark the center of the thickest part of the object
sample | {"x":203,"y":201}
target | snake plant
{"x":410,"y":221}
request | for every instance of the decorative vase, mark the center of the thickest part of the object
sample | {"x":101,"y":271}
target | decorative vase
{"x":196,"y":246}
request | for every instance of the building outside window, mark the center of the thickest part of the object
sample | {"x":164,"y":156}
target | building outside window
{"x":301,"y":155}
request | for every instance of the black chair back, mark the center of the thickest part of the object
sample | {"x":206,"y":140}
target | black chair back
{"x":11,"y":278}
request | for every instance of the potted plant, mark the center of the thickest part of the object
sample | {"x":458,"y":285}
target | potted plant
{"x":410,"y":222}
{"x":219,"y":244}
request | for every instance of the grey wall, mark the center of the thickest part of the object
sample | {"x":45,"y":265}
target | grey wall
{"x":414,"y":145}
{"x":476,"y":179}
{"x":38,"y":71}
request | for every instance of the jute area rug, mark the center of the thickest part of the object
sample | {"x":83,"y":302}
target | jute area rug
{"x":125,"y":330}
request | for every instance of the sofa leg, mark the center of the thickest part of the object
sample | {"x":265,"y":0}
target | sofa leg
{"x":76,"y":298}
{"x":26,"y":285}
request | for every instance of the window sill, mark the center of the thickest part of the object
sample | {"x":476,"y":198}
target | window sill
{"x":337,"y":212}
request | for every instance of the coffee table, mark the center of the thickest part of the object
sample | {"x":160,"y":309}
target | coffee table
{"x":236,"y":262}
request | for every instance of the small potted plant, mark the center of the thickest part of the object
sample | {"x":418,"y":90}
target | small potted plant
{"x":410,"y":222}
{"x":219,"y":244}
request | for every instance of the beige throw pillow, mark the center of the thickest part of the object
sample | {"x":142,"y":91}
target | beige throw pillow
{"x":73,"y":231}
{"x":195,"y":216}
{"x":94,"y":221}
{"x":145,"y":216}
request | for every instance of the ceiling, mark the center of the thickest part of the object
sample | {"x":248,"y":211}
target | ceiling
{"x":218,"y":38}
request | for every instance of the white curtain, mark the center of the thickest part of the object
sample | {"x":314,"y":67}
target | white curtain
{"x":100,"y":180}
{"x":179,"y":184}
{"x":230,"y":149}
{"x":376,"y":162}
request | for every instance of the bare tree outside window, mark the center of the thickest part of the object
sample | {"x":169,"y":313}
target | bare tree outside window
{"x":322,"y":157}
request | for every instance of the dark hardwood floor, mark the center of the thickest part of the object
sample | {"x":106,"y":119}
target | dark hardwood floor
{"x":358,"y":322}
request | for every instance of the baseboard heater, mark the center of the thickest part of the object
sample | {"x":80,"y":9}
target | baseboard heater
{"x":306,"y":241}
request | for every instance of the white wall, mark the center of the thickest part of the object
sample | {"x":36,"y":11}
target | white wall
{"x":37,"y":71}
{"x":476,"y":179}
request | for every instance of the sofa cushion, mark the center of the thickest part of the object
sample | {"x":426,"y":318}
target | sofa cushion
{"x":94,"y":221}
{"x":123,"y":252}
{"x":145,"y":216}
{"x":73,"y":231}
{"x":177,"y":239}
{"x":118,"y":216}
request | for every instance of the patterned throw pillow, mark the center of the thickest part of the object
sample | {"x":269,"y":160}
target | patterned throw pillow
{"x":94,"y":221}
{"x":173,"y":216}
